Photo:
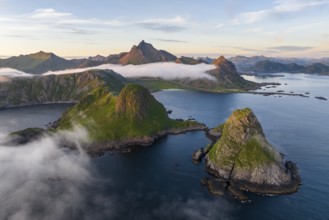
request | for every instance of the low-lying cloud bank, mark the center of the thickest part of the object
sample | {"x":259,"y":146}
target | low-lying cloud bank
{"x":9,"y":72}
{"x":40,"y":180}
{"x":167,"y":71}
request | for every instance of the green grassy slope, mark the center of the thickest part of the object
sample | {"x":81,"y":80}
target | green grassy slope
{"x":134,"y":113}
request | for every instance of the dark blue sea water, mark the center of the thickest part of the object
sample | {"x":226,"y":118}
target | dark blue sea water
{"x":161,"y":182}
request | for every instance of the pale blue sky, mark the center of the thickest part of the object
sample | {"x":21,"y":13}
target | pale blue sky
{"x":291,"y":28}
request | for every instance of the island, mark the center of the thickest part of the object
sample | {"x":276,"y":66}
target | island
{"x":116,"y":123}
{"x":243,"y":160}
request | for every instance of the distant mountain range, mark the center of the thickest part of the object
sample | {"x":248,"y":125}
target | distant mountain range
{"x":244,"y":63}
{"x":42,"y":62}
{"x":275,"y":67}
{"x":145,"y":53}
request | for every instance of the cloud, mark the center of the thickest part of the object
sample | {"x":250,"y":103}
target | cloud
{"x":49,"y":18}
{"x":9,"y":72}
{"x":280,"y":7}
{"x":40,"y":180}
{"x":171,"y":40}
{"x":290,"y":48}
{"x":49,"y":13}
{"x":168,"y":71}
{"x":252,"y":50}
{"x":165,"y":25}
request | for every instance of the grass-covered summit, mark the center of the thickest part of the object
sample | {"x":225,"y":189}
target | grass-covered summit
{"x":244,"y":157}
{"x":133,"y":117}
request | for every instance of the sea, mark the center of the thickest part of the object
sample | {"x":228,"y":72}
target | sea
{"x":43,"y":181}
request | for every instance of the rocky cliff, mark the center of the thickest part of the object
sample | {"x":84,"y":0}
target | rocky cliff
{"x":244,"y":158}
{"x":22,"y":91}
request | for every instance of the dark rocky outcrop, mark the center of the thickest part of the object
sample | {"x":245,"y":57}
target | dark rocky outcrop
{"x":244,"y":158}
{"x":321,"y":98}
{"x":25,"y":136}
{"x":197,"y":156}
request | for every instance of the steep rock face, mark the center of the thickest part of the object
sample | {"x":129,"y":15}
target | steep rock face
{"x":37,"y":63}
{"x":146,"y":53}
{"x":227,"y":75}
{"x":244,"y":157}
{"x":56,"y":88}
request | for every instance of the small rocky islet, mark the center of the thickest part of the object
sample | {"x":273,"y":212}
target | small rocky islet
{"x":243,"y":160}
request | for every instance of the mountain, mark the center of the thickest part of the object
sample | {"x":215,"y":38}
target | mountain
{"x":318,"y":68}
{"x":243,"y":63}
{"x":244,"y":158}
{"x":188,"y":60}
{"x":22,"y":91}
{"x":145,"y":53}
{"x":37,"y":63}
{"x":275,"y":67}
{"x":227,"y":75}
{"x":207,"y":60}
{"x":225,"y":79}
{"x":135,"y":117}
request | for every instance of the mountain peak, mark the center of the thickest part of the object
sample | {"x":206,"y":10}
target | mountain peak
{"x":42,"y":55}
{"x":142,"y":43}
{"x":220,"y":60}
{"x":146,"y":53}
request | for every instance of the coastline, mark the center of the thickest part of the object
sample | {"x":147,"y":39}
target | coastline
{"x":127,"y":145}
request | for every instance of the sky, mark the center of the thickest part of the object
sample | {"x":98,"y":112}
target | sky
{"x":81,"y":28}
